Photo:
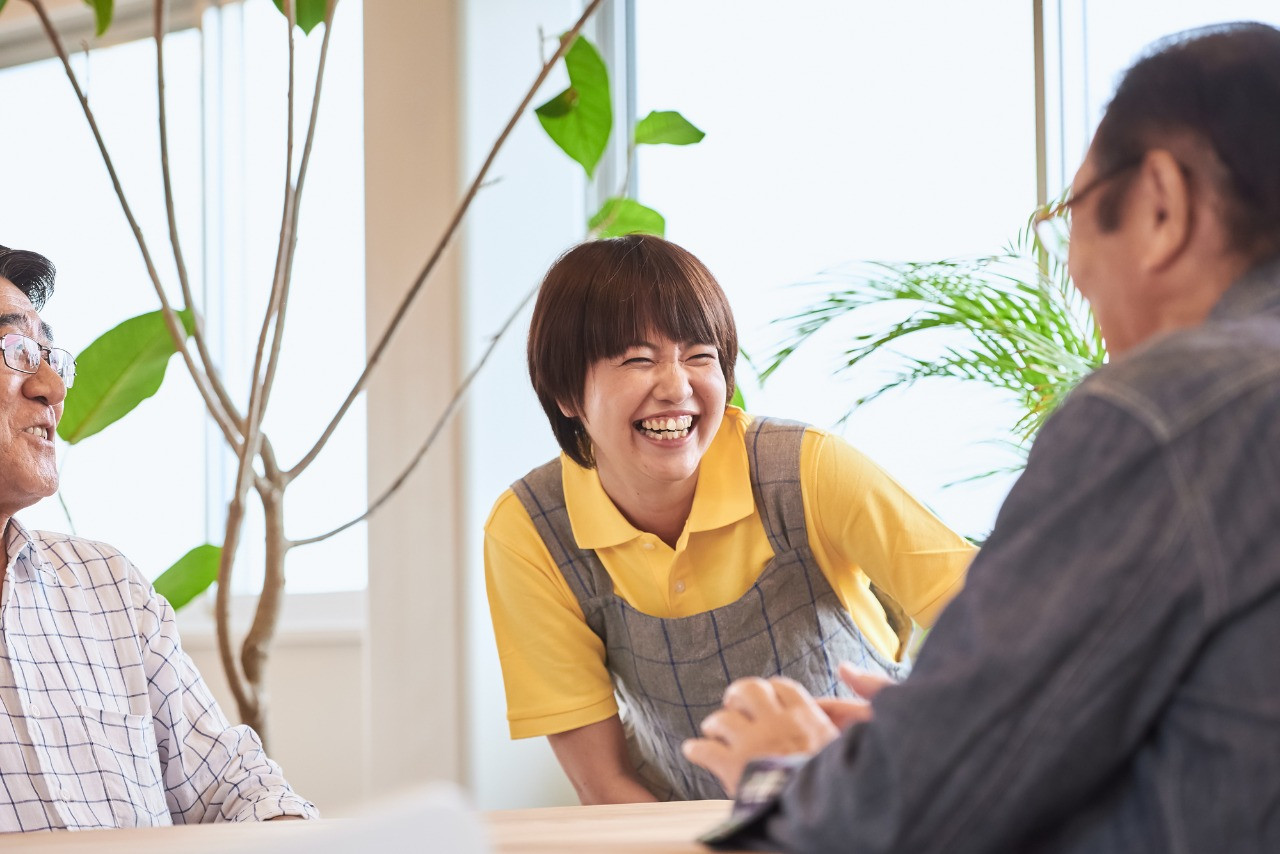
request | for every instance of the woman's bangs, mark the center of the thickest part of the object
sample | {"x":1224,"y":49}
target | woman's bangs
{"x":662,"y":306}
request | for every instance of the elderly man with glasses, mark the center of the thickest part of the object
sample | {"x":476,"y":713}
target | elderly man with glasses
{"x":105,"y":721}
{"x":1105,"y":683}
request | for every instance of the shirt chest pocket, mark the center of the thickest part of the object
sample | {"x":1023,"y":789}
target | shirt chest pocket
{"x":126,"y":768}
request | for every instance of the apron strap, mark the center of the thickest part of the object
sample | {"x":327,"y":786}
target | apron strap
{"x":773,"y":453}
{"x":541,"y":492}
{"x":773,"y":449}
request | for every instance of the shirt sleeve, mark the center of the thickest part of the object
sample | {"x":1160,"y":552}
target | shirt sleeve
{"x":1044,"y":675}
{"x":553,"y":664}
{"x":212,"y":771}
{"x":861,"y":520}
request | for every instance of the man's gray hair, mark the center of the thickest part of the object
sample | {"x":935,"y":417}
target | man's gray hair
{"x":30,"y":272}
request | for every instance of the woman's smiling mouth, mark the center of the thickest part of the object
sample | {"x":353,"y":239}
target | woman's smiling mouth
{"x":665,"y":429}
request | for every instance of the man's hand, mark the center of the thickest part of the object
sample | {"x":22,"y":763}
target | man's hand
{"x":845,"y":713}
{"x":759,"y":718}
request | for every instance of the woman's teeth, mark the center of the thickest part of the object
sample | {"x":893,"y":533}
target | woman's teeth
{"x":667,"y":428}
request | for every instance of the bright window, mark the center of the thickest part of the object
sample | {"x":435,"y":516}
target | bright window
{"x":155,"y":485}
{"x":841,"y":132}
{"x":1090,"y":44}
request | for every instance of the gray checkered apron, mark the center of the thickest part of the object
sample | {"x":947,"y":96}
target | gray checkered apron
{"x":671,"y":673}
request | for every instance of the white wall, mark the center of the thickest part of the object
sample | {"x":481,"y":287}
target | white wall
{"x":411,"y":185}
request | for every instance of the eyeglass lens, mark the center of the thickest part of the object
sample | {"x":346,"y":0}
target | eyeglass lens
{"x":23,"y":354}
{"x":1054,"y":234}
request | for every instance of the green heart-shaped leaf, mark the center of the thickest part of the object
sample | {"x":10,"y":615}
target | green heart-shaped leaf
{"x":103,"y":11}
{"x":666,"y":127}
{"x":118,"y":371}
{"x":190,"y":576}
{"x":621,"y":216}
{"x":580,"y":118}
{"x":310,"y":13}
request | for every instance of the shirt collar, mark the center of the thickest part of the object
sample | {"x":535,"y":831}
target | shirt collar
{"x":17,"y":541}
{"x":722,"y":497}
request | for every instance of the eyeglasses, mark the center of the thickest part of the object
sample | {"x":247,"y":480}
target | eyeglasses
{"x":1052,"y":223}
{"x":23,"y":354}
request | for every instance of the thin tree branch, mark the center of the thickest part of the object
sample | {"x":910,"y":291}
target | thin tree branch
{"x":66,"y":511}
{"x":229,"y":428}
{"x":251,"y":665}
{"x":210,"y":368}
{"x":270,"y":467}
{"x":398,"y":317}
{"x":255,"y":650}
{"x":253,"y":421}
{"x":245,"y":701}
{"x":247,"y":696}
{"x":435,"y":429}
{"x":273,"y":358}
{"x":257,"y":390}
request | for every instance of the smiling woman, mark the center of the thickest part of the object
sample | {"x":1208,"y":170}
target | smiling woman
{"x":624,"y":354}
{"x":678,"y":543}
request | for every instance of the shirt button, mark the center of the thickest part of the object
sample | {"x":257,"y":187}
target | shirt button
{"x":647,"y":546}
{"x":679,"y":586}
{"x":34,"y":711}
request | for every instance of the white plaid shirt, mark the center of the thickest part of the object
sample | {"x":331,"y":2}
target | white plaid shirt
{"x":106,"y":722}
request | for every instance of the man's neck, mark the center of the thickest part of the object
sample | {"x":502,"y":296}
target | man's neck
{"x":1192,"y":307}
{"x":1181,"y":306}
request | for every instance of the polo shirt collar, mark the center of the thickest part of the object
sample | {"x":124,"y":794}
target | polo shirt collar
{"x":722,"y":496}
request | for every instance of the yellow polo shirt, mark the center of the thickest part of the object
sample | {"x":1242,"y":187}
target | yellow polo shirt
{"x":862,"y":527}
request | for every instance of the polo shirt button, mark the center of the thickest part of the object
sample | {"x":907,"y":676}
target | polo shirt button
{"x":679,"y":586}
{"x":647,"y":546}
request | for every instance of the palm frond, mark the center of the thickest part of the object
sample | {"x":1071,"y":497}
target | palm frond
{"x":1022,"y":327}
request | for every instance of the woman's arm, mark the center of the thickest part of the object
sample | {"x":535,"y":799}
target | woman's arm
{"x":595,"y":759}
{"x":553,"y":664}
{"x":859,"y":516}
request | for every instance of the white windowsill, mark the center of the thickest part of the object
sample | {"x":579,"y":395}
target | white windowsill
{"x":306,"y":619}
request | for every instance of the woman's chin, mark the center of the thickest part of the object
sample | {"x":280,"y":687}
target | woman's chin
{"x":672,"y":471}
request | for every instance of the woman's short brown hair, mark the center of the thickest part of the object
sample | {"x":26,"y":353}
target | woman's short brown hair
{"x":604,"y":296}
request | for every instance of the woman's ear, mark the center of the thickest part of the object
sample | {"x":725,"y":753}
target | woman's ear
{"x":566,"y":410}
